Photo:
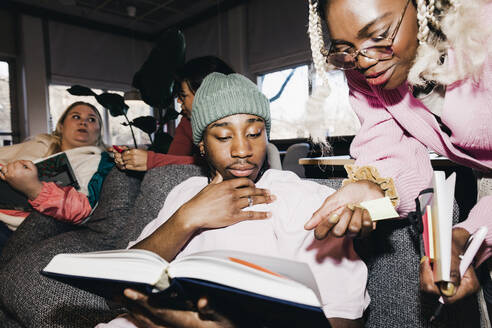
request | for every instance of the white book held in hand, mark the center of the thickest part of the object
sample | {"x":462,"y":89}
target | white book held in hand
{"x":277,"y":278}
{"x":442,"y":223}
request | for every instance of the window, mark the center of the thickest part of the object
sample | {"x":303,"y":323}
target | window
{"x":6,"y":132}
{"x":288,"y":91}
{"x":114,"y":132}
{"x":120,"y":134}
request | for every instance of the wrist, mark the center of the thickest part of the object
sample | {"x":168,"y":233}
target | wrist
{"x":33,"y":192}
{"x":371,"y":174}
{"x":371,"y":188}
{"x":186,"y":221}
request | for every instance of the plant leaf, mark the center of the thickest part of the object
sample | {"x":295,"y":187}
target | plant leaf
{"x":170,"y":115}
{"x":113,"y":102}
{"x":162,"y":141}
{"x":155,"y":79}
{"x":80,"y":90}
{"x":147,"y":124}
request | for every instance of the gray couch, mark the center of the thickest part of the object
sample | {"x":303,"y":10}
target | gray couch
{"x":128,"y":203}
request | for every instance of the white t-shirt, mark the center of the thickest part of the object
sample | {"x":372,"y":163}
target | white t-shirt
{"x":339,"y":272}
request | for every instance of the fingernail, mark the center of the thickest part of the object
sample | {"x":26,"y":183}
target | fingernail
{"x":334,"y":218}
{"x":268,"y":214}
{"x":423,"y":259}
{"x":338,"y":232}
{"x":307,"y":225}
{"x":131,"y":294}
{"x":447,"y":289}
{"x":273,"y":198}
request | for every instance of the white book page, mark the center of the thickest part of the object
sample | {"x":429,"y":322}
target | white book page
{"x":296,"y":282}
{"x":131,"y":265}
{"x":39,"y":160}
{"x":442,"y":221}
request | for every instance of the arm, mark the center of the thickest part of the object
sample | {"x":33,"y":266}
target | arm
{"x":383,"y":144}
{"x":66,"y":203}
{"x":62,"y":203}
{"x":180,"y":152}
{"x":219,"y":204}
{"x":182,"y":143}
{"x":143,"y":160}
{"x":157,"y":159}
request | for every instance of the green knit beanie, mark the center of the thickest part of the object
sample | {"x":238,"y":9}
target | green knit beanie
{"x":222,"y":95}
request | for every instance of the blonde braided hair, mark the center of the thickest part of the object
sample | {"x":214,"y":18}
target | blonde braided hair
{"x":314,"y":117}
{"x":445,"y":24}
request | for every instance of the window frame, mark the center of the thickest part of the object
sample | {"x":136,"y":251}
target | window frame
{"x":14,"y":112}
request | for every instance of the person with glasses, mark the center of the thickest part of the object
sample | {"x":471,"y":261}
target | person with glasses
{"x":419,"y":74}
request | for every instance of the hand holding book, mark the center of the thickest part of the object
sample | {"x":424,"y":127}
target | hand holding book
{"x":144,"y":312}
{"x":239,"y":284}
{"x":22,"y":175}
{"x":463,"y":285}
{"x":444,"y":270}
{"x":21,"y":180}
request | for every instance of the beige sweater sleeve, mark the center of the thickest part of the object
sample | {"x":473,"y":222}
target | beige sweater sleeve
{"x":34,"y":148}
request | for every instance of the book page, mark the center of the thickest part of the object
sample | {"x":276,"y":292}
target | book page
{"x":270,"y":276}
{"x":380,"y":209}
{"x":428,"y":233}
{"x":131,"y":265}
{"x":442,"y":222}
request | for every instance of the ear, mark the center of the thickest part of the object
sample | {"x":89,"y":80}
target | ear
{"x":201,"y":146}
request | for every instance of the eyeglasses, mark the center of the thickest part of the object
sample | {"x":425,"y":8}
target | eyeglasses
{"x":379,"y":49}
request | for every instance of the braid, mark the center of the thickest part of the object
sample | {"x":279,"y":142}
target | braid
{"x":314,"y":117}
{"x":317,"y":44}
{"x":431,"y":14}
{"x":422,"y":14}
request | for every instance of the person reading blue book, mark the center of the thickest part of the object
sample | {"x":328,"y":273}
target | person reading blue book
{"x":244,"y":206}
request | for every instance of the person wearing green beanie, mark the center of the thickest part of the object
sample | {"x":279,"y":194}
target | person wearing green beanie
{"x":223,"y":95}
{"x":240,"y":207}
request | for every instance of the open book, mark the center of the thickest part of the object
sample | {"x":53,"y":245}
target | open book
{"x":277,"y":292}
{"x":437,"y":219}
{"x":55,"y":168}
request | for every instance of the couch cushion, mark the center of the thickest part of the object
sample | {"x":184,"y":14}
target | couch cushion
{"x":31,"y":300}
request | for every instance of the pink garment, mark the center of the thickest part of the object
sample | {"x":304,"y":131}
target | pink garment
{"x":62,"y":203}
{"x":180,"y":151}
{"x":339,"y":272}
{"x":396,"y":130}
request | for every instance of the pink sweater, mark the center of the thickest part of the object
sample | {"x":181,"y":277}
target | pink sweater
{"x":396,"y":130}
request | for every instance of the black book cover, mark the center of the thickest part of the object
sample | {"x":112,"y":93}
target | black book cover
{"x":245,"y":307}
{"x":56,"y":169}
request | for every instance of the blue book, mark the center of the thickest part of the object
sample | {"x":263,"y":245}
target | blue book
{"x":271,"y":291}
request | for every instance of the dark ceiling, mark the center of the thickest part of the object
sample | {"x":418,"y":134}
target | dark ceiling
{"x":143,"y":18}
